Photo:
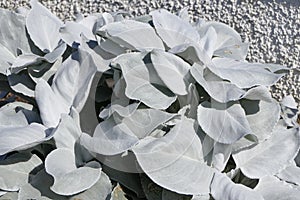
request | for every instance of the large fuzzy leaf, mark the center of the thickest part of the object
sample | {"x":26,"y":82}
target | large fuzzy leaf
{"x":67,"y":132}
{"x":133,"y":35}
{"x":226,"y":41}
{"x":70,"y":87}
{"x":224,"y":123}
{"x":262,"y":117}
{"x":43,"y":27}
{"x":60,"y":164}
{"x":12,"y":38}
{"x":243,"y":74}
{"x":272,"y":188}
{"x":290,"y":174}
{"x":222,"y":188}
{"x":71,"y":31}
{"x":172,"y":29}
{"x":226,"y":36}
{"x":140,"y":82}
{"x":171,"y":69}
{"x":20,"y":138}
{"x":109,"y":138}
{"x":99,"y":191}
{"x":143,"y":121}
{"x":259,"y":161}
{"x":29,"y":192}
{"x":217,"y":88}
{"x":173,"y":160}
{"x":14,"y":171}
{"x":11,"y":117}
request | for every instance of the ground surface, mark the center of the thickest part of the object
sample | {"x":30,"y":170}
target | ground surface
{"x":271,"y":27}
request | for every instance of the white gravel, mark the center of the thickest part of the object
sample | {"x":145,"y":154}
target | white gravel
{"x":271,"y":27}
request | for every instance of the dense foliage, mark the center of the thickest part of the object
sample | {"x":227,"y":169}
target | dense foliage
{"x":153,"y":107}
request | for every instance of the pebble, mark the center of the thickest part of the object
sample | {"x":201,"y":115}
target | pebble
{"x":272,"y":27}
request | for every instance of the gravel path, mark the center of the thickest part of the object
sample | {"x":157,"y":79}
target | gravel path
{"x":271,"y":27}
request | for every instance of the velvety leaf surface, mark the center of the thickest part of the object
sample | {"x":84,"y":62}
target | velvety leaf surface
{"x":243,"y":74}
{"x":60,"y":164}
{"x":133,"y":35}
{"x":224,"y":123}
{"x":259,"y":161}
{"x":139,"y":81}
{"x":222,"y":188}
{"x":12,"y":38}
{"x":41,"y":20}
{"x":15,"y":170}
{"x":171,"y":69}
{"x":172,"y":160}
{"x":272,"y":188}
{"x":172,"y":29}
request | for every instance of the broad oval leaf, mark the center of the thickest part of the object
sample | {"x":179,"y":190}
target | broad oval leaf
{"x":222,"y":188}
{"x":174,"y":159}
{"x":272,"y":188}
{"x":15,"y":170}
{"x":172,"y":70}
{"x":172,"y":29}
{"x":70,"y":87}
{"x":224,"y":123}
{"x":243,"y":74}
{"x":133,"y":35}
{"x":217,"y":88}
{"x":20,"y":138}
{"x":12,"y":38}
{"x":290,"y":174}
{"x":263,"y":118}
{"x":109,"y":138}
{"x":101,"y":190}
{"x":259,"y":161}
{"x":139,"y":81}
{"x":60,"y":164}
{"x":43,"y":27}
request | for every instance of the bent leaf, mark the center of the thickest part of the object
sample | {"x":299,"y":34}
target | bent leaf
{"x":222,"y":188}
{"x":259,"y":161}
{"x":171,"y":69}
{"x":222,"y":123}
{"x":41,"y":20}
{"x":140,"y":83}
{"x":174,"y":159}
{"x":243,"y":74}
{"x":172,"y":29}
{"x":15,"y":170}
{"x":133,"y":35}
{"x":60,"y":164}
